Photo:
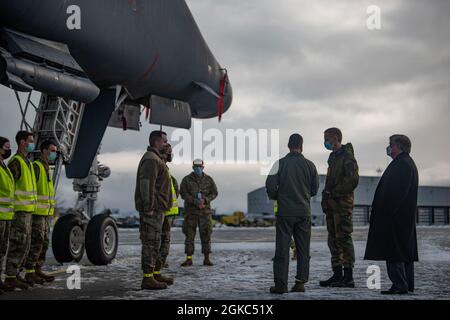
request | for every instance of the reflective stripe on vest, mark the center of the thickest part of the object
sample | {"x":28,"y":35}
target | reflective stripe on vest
{"x":174,"y":211}
{"x":25,"y":193}
{"x":275,"y":207}
{"x":6,"y":194}
{"x":45,"y":192}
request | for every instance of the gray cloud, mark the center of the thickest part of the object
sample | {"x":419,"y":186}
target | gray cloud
{"x":303,"y":66}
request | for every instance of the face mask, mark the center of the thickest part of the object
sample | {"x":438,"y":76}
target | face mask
{"x":389,"y":151}
{"x":169,"y":157}
{"x":52,"y":156}
{"x":7,"y":154}
{"x":31,"y":147}
{"x":198,"y":171}
{"x":328,"y":145}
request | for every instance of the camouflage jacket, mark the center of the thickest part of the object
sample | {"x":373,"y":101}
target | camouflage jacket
{"x":153,"y":190}
{"x":191,"y":186}
{"x":342,"y":178}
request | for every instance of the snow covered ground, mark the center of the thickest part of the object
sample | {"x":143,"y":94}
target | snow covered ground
{"x":243,"y":270}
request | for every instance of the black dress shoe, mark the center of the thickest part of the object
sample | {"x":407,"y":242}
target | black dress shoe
{"x":394,"y":291}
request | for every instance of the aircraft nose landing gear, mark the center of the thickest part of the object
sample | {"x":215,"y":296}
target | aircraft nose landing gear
{"x":101,"y":239}
{"x":68,"y":238}
{"x":98,"y":237}
{"x":80,"y":229}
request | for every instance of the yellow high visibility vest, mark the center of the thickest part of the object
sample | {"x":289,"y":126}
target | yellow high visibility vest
{"x":6,"y":194}
{"x":275,"y":207}
{"x":45,"y":192}
{"x":25,"y":195}
{"x":174,"y":211}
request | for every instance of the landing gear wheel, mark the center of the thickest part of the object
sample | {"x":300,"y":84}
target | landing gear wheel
{"x":102,"y":240}
{"x":68,"y":239}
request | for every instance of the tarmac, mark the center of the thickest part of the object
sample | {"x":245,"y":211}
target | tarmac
{"x":243,"y":270}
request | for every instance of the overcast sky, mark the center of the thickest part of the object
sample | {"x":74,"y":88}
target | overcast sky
{"x":304,"y":66}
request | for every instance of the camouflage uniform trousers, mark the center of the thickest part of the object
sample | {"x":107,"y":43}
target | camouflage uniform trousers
{"x":165,"y":242}
{"x":294,"y":249}
{"x":150,"y":230}
{"x":4,"y":240}
{"x":203,"y":221}
{"x":19,"y":242}
{"x":39,"y":242}
{"x":340,"y":228}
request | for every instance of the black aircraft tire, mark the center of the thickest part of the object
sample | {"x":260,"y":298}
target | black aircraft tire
{"x":102,"y":240}
{"x":65,"y":231}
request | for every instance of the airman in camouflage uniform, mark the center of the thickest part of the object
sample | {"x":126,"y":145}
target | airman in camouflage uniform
{"x":6,"y":205}
{"x":40,"y":227}
{"x":337,"y":203}
{"x":169,"y":216}
{"x":152,"y":198}
{"x":166,"y":230}
{"x":198,"y":190}
{"x":20,"y":232}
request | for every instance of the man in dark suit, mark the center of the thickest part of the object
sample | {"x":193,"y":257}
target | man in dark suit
{"x":392,"y":234}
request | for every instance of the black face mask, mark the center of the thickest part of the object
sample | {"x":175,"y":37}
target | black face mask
{"x":7,"y":154}
{"x":169,"y":157}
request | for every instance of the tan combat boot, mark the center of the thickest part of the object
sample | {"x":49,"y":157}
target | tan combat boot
{"x":29,"y":282}
{"x":206,"y":261}
{"x":188,"y":262}
{"x":32,"y":278}
{"x":298,"y":287}
{"x":150,"y":283}
{"x":45,"y":277}
{"x":4,"y":287}
{"x":278,"y":290}
{"x":14,"y":282}
{"x":160,"y":278}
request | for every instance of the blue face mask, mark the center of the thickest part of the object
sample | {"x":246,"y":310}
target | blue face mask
{"x":30,"y":147}
{"x":198,"y":171}
{"x":52,"y":156}
{"x":328,"y":145}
